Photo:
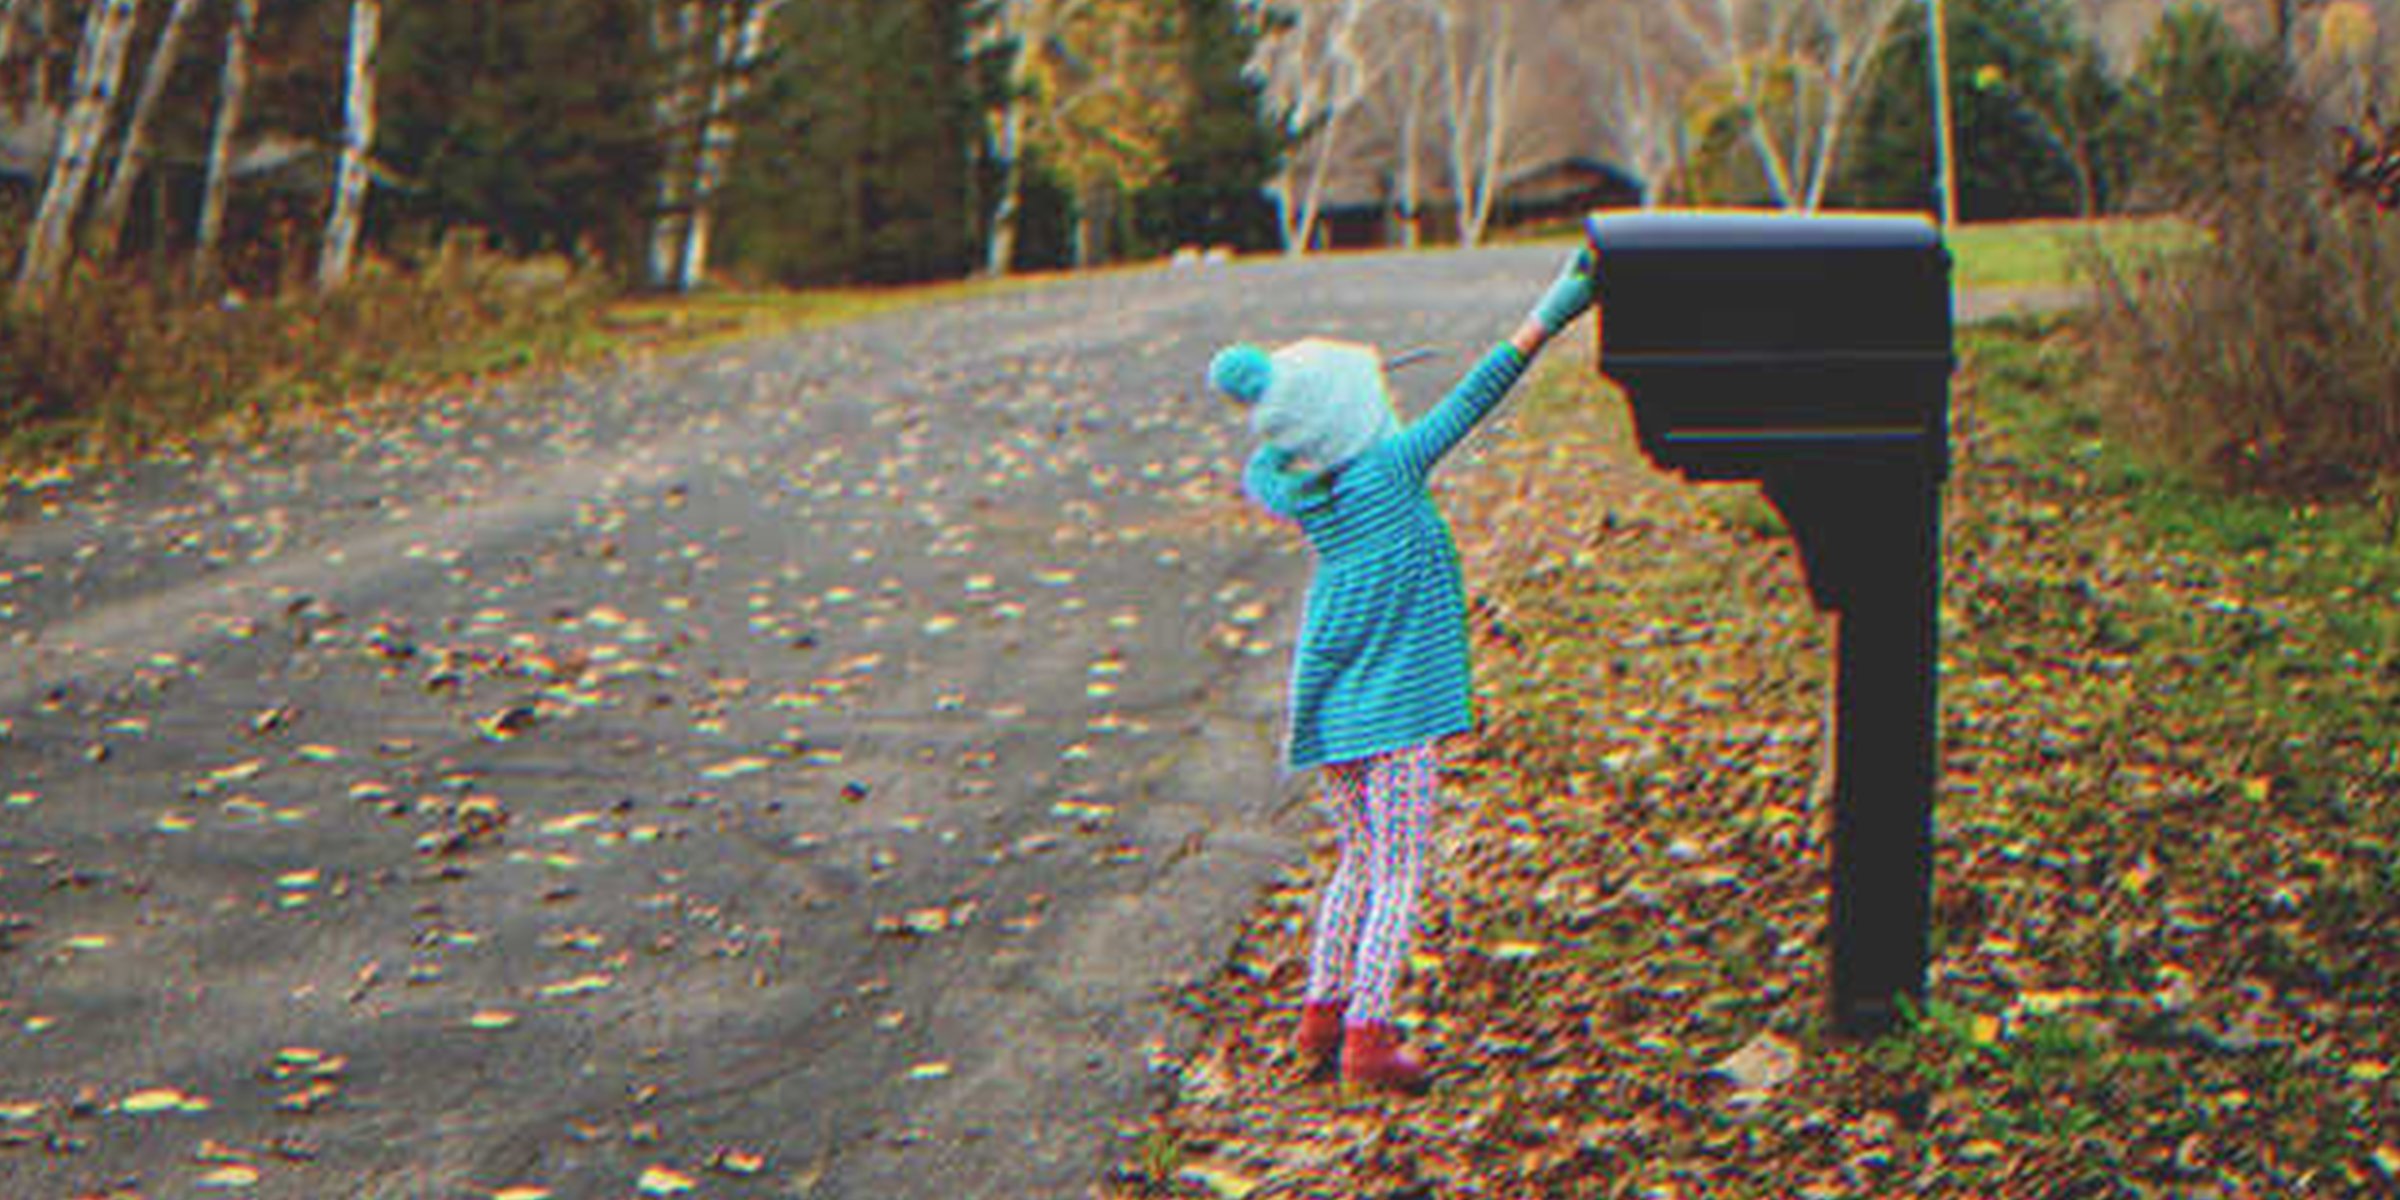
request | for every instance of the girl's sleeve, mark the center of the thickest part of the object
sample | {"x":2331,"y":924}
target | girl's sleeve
{"x":1420,"y":446}
{"x":1269,"y":484}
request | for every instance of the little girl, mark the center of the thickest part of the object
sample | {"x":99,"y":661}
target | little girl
{"x":1381,"y":669}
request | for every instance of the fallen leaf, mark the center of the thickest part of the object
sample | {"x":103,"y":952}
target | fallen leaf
{"x":308,"y":1099}
{"x":508,"y":723}
{"x":153,"y":1101}
{"x":580,"y":985}
{"x":1767,"y":1062}
{"x":660,"y":1181}
{"x":1221,"y":1182}
{"x":748,"y":764}
{"x":737,"y":1162}
{"x":228,"y":1177}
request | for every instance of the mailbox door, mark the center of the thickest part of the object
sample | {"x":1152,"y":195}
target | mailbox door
{"x":1749,"y":341}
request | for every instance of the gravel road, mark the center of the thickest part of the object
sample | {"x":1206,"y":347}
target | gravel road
{"x":808,"y":768}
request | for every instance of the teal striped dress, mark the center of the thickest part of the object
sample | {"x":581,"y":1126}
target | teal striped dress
{"x":1382,"y":660}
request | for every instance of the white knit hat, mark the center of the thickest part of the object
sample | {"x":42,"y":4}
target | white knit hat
{"x":1323,"y":400}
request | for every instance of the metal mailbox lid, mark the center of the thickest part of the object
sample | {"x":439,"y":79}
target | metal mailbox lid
{"x":1733,"y":285}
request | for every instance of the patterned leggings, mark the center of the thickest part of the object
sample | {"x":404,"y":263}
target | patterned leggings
{"x":1381,"y":807}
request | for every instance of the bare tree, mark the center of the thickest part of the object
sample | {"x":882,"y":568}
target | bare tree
{"x":711,"y":53}
{"x":1314,"y":74}
{"x":108,"y":222}
{"x":1028,"y":29}
{"x":740,"y":44}
{"x":8,"y":27}
{"x":1403,"y":104}
{"x":108,"y":27}
{"x":675,"y":38}
{"x":1792,"y":71}
{"x":1480,"y":65}
{"x":28,"y":21}
{"x":232,"y":89}
{"x":358,"y":141}
{"x":1637,"y":76}
{"x":45,"y":26}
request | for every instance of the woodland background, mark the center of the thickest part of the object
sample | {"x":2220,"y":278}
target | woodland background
{"x":844,"y":141}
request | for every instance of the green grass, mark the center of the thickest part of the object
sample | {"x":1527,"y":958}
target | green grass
{"x":2001,"y":254}
{"x":2040,"y":254}
{"x":719,"y":316}
{"x":2295,"y":613}
{"x":114,"y":370}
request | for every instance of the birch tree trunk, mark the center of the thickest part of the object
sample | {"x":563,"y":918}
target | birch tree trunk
{"x":1001,"y":252}
{"x":739,"y":46}
{"x":98,"y":67}
{"x":1399,"y":36}
{"x":109,"y":221}
{"x":1313,"y":75}
{"x":232,"y":88}
{"x":1645,"y":116}
{"x":45,"y":22}
{"x":691,"y":259}
{"x":1027,"y":25}
{"x":358,"y":140}
{"x":1479,"y":81}
{"x":675,"y":34}
{"x":1001,"y":249}
{"x":8,"y":27}
{"x":1409,"y":184}
{"x":1852,"y":35}
{"x":33,"y":17}
{"x":1499,"y":93}
{"x":1827,"y":49}
{"x":1299,"y":237}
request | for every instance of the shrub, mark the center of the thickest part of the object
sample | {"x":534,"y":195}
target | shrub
{"x":122,"y":363}
{"x":2267,"y":357}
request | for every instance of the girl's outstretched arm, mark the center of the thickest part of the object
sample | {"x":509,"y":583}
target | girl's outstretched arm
{"x":1420,"y":446}
{"x":1423,"y":444}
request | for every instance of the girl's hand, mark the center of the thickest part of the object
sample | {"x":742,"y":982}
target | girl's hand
{"x":1569,"y":295}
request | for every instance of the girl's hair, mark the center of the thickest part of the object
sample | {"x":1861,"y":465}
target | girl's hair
{"x":1316,"y":493}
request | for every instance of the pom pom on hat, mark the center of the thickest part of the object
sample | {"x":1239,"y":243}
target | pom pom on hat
{"x":1241,"y":371}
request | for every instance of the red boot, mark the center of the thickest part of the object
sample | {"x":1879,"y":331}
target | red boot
{"x":1373,"y":1056}
{"x":1321,"y":1028}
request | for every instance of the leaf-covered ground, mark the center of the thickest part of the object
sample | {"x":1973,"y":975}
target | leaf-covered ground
{"x":2167,"y":908}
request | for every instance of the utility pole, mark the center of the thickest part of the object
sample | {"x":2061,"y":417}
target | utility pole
{"x":1945,"y":160}
{"x":1945,"y":147}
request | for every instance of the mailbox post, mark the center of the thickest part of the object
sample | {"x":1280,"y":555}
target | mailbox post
{"x":1813,"y":354}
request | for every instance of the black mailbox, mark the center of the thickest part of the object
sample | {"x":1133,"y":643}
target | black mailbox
{"x":1813,"y":354}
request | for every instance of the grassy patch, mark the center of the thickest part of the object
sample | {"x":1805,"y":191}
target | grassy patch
{"x":717,"y":317}
{"x":114,"y":368}
{"x":2009,"y":254}
{"x":2044,"y":254}
{"x":117,"y":366}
